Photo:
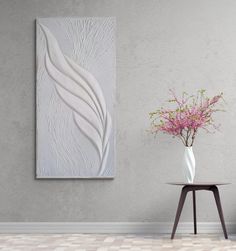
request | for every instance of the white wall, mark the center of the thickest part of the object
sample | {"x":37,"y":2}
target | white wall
{"x":184,"y":44}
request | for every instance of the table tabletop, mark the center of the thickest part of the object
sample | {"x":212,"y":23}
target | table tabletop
{"x":198,"y":183}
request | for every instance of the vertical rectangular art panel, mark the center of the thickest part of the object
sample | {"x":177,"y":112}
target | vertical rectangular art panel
{"x":75,"y":97}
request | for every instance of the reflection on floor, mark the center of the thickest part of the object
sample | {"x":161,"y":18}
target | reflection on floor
{"x":109,"y":242}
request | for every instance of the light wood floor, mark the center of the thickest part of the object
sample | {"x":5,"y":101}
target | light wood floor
{"x":114,"y":242}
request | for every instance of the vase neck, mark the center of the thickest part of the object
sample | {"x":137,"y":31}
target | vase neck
{"x":188,"y":149}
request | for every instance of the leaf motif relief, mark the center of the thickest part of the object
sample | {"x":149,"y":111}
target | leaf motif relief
{"x":81,"y":92}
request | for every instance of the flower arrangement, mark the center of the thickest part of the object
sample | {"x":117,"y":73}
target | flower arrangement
{"x":192,"y":113}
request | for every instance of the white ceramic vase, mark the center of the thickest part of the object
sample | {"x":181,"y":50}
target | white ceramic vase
{"x":188,"y":165}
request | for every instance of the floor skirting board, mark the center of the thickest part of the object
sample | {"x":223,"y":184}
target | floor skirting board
{"x":112,"y":227}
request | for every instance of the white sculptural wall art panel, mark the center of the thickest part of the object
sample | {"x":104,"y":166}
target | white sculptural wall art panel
{"x":75,"y":59}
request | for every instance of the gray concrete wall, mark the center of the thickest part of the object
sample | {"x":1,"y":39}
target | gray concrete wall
{"x":184,"y":44}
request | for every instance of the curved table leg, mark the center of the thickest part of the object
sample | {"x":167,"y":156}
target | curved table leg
{"x":179,"y":209}
{"x":215,"y":191}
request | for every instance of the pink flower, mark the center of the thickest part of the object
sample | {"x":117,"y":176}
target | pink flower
{"x":192,"y":113}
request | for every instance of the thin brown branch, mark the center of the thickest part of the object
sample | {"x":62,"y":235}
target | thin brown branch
{"x":193,"y":136}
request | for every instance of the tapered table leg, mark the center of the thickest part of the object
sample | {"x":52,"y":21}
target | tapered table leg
{"x":194,"y":212}
{"x":179,"y":210}
{"x":219,"y":207}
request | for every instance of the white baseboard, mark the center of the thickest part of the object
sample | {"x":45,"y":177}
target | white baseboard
{"x":112,"y":227}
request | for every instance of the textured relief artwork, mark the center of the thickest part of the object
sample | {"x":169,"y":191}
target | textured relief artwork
{"x":75,"y":59}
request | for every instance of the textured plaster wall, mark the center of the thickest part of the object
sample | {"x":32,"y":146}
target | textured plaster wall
{"x":184,"y":44}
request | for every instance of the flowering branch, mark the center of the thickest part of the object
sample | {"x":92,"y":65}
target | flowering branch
{"x":192,"y":113}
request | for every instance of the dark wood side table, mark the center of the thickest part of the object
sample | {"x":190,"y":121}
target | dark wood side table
{"x":193,"y":187}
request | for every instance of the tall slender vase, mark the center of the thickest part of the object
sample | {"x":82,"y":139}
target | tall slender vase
{"x":188,"y":165}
